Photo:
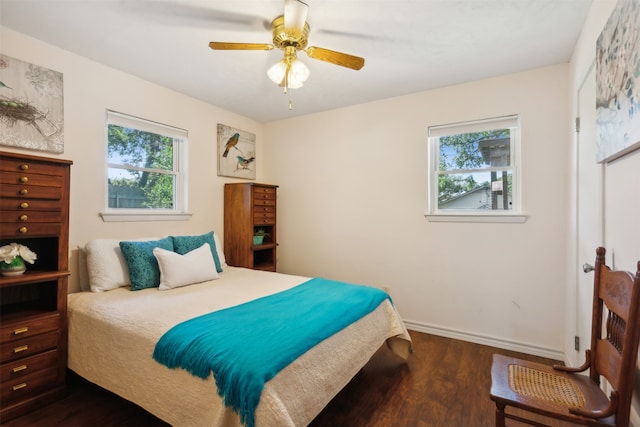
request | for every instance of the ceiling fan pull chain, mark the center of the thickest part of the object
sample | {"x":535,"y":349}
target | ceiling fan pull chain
{"x":287,"y":72}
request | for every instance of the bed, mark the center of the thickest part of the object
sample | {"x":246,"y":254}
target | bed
{"x":113,"y":333}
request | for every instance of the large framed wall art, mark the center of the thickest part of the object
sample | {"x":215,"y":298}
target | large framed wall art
{"x":618,"y":83}
{"x":31,"y":106}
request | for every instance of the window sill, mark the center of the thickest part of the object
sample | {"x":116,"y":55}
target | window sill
{"x":504,"y":218}
{"x":143,"y":216}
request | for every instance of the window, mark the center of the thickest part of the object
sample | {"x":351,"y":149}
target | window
{"x":473,"y":170}
{"x":145,"y":169}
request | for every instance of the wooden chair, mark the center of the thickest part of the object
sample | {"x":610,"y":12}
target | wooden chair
{"x":561,"y":393}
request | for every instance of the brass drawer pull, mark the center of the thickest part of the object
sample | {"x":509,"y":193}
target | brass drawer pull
{"x":23,"y":217}
{"x":20,"y":330}
{"x":24,"y":192}
{"x":19,"y":386}
{"x":24,"y":167}
{"x":19,"y":368}
{"x":22,"y":229}
{"x":24,"y":179}
{"x":24,"y":205}
{"x":20,"y":349}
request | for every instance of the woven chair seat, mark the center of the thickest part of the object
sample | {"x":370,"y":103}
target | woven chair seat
{"x":545,"y":385}
{"x":562,"y":392}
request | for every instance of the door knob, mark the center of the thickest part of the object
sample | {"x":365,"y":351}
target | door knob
{"x":587,"y":268}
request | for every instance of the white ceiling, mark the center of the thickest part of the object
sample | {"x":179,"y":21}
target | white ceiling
{"x":409,"y":45}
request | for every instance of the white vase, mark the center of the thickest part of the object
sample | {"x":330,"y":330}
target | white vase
{"x":15,"y":268}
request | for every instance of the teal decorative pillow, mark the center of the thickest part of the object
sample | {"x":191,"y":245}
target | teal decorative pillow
{"x":143,"y":266}
{"x":185,"y":244}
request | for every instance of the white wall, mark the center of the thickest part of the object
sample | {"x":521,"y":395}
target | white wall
{"x":90,"y":89}
{"x":353,"y":195}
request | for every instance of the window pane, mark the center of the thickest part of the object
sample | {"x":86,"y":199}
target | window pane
{"x":132,"y":189}
{"x":146,"y":167}
{"x":127,"y":146}
{"x":475,"y":150}
{"x":483,"y":190}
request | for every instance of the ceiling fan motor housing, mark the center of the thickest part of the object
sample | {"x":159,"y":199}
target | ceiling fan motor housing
{"x":282,"y":38}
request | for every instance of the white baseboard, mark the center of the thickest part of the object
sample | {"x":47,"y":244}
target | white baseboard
{"x":487,"y":340}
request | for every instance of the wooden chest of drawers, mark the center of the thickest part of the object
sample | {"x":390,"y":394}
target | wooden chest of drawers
{"x":31,"y":195}
{"x":34,"y":211}
{"x":249,"y":207}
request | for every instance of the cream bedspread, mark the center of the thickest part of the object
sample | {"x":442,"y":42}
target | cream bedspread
{"x":112,"y":336}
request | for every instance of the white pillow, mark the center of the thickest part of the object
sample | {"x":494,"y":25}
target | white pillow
{"x":181,"y":270}
{"x":106,"y":265}
{"x":220,"y":250}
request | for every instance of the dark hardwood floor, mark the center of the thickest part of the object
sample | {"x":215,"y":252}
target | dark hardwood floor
{"x":445,"y":383}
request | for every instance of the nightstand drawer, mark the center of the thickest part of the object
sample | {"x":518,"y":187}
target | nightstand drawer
{"x":29,"y":166}
{"x":35,"y":325}
{"x":28,"y":365}
{"x":264,"y":192}
{"x":34,"y":229}
{"x":264,"y":219}
{"x":22,"y":204}
{"x":26,"y":218}
{"x":31,"y":192}
{"x":27,"y":385}
{"x":29,"y":179}
{"x":264,"y":202}
{"x":28,"y":346}
{"x":264,"y":209}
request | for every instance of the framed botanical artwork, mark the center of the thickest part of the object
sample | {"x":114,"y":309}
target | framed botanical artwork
{"x":618,"y":83}
{"x":236,"y":153}
{"x":31,"y":106}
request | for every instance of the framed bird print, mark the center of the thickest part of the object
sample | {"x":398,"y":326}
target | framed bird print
{"x":236,"y":153}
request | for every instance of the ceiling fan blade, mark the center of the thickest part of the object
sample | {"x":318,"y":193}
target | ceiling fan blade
{"x":295,"y":15}
{"x":172,"y":12}
{"x":338,"y":58}
{"x":354,"y":35}
{"x":239,"y":46}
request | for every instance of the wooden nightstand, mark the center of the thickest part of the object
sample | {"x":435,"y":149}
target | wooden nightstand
{"x":247,"y":208}
{"x":34,"y":211}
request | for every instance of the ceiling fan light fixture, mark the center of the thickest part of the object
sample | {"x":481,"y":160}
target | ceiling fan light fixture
{"x":290,"y":33}
{"x":289,"y":74}
{"x":298,"y":72}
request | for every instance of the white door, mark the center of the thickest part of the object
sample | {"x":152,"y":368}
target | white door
{"x":590,"y":230}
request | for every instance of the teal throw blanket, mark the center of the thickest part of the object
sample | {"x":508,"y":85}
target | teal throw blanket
{"x":247,"y":345}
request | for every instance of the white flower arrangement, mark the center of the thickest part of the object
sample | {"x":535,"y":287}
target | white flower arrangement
{"x":10,"y":252}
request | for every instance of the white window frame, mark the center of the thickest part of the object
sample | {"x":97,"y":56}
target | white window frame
{"x":180,"y":156}
{"x":470,"y":215}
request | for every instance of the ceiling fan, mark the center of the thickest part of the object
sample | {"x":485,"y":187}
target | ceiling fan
{"x":290,"y":34}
